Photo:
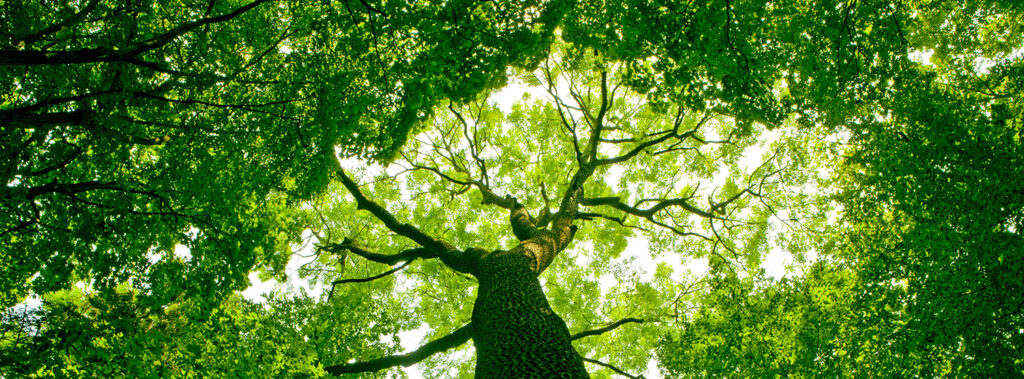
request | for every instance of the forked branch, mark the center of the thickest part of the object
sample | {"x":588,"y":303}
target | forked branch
{"x":616,"y":202}
{"x":364,"y":280}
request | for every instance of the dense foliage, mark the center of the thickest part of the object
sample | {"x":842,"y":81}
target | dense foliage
{"x":155,"y":155}
{"x":131,"y":128}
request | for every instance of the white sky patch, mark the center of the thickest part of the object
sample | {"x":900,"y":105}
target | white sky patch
{"x":614,"y":174}
{"x":413,"y":339}
{"x":183,"y":252}
{"x":923,"y":57}
{"x":258,"y":289}
{"x":652,"y":372}
{"x":754,"y":156}
{"x":776,"y":261}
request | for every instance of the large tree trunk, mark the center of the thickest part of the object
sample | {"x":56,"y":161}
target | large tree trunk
{"x":516,"y":333}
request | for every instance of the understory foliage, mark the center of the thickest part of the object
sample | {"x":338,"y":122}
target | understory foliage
{"x":753,"y":188}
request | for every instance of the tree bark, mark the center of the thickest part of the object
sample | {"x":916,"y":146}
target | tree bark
{"x":516,"y":333}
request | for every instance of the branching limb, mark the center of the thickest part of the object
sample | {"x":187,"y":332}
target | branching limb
{"x":456,"y":158}
{"x":616,"y":202}
{"x":664,"y":136}
{"x":183,"y":29}
{"x":523,"y":226}
{"x":458,"y":260}
{"x":455,"y":339}
{"x":598,"y":331}
{"x":76,"y":18}
{"x":369,"y":279}
{"x":568,"y":122}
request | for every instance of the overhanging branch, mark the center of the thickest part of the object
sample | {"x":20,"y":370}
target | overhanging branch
{"x":616,"y":202}
{"x":388,"y":259}
{"x":108,"y":54}
{"x":450,"y":341}
{"x":387,"y":218}
{"x":369,"y":279}
{"x":610,"y":327}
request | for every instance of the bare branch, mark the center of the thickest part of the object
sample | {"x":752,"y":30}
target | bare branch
{"x":455,"y":339}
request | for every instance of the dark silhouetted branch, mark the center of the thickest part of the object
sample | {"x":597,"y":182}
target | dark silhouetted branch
{"x":388,"y":259}
{"x":389,"y":220}
{"x":455,"y":339}
{"x":615,"y":202}
{"x":76,"y":18}
{"x":610,"y":327}
{"x":369,"y":279}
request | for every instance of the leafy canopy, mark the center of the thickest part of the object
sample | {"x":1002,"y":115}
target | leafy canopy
{"x":878,"y":143}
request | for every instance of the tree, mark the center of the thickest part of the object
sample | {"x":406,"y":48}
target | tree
{"x":567,"y":147}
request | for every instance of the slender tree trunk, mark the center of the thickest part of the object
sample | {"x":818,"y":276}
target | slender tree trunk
{"x":516,"y":333}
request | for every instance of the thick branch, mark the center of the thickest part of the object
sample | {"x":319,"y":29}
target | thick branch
{"x":70,"y":189}
{"x":387,"y":218}
{"x":598,"y":121}
{"x":610,"y":327}
{"x":649,"y":213}
{"x":523,"y":225}
{"x":388,"y":259}
{"x":35,"y":57}
{"x":455,"y":339}
{"x":28,"y":120}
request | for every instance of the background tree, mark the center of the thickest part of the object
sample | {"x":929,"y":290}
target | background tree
{"x":131,"y":128}
{"x":926,"y":256}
